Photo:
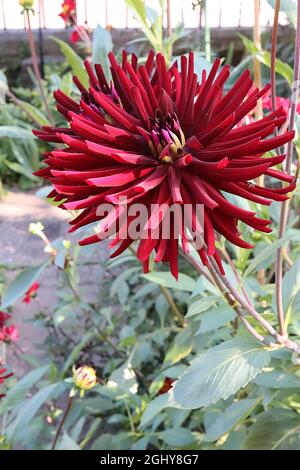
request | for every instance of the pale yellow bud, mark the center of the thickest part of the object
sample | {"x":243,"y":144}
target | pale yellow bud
{"x":84,"y":377}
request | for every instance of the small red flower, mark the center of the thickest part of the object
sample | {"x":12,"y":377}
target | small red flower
{"x":167,"y":385}
{"x":3,"y":318}
{"x":75,"y":37}
{"x":9,"y":334}
{"x":164,"y":136}
{"x":3,"y":378}
{"x":31,"y":293}
{"x":68,"y":10}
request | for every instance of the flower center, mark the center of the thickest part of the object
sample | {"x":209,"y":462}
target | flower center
{"x":167,"y":139}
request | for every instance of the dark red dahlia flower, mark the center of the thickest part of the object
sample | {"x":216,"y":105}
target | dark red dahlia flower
{"x":159,"y":135}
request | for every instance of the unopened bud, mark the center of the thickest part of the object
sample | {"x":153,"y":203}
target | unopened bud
{"x":26,"y":4}
{"x":84,"y":377}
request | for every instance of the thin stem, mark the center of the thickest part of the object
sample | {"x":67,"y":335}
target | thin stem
{"x":236,"y":273}
{"x":259,"y":108}
{"x":169,"y":26}
{"x":288,"y":167}
{"x":64,"y":417}
{"x":207,"y":32}
{"x":174,"y":309}
{"x":132,"y":427}
{"x":233,"y":304}
{"x":256,"y":63}
{"x":273,"y":53}
{"x":36,"y":66}
{"x":73,"y":289}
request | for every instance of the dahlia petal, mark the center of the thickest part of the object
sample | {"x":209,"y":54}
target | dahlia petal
{"x":174,"y":184}
{"x":118,"y":179}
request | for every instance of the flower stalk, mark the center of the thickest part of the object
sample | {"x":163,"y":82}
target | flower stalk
{"x":288,"y":168}
{"x":36,"y":66}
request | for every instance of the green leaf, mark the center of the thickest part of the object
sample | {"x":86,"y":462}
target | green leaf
{"x":215,"y":318}
{"x":155,"y":407}
{"x":264,"y":57}
{"x":278,"y":379}
{"x":177,"y":437}
{"x":277,"y":429}
{"x":182,"y":346}
{"x":21,"y":388}
{"x":291,"y":285}
{"x":20,"y":285}
{"x":149,"y":22}
{"x":15,"y":132}
{"x":30,"y":408}
{"x":116,"y":441}
{"x":36,"y":114}
{"x":67,"y":443}
{"x":74,"y":61}
{"x":230,"y":418}
{"x":201,"y":305}
{"x":102,"y":45}
{"x":269,"y":251}
{"x":185,"y":283}
{"x":220,"y":372}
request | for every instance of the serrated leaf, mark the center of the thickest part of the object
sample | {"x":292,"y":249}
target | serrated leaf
{"x":220,"y":372}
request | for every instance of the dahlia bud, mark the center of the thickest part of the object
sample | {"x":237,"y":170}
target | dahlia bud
{"x":26,"y":4}
{"x":84,"y":378}
{"x":36,"y":228}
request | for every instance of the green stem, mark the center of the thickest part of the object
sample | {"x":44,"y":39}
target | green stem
{"x":174,"y":309}
{"x":36,"y":66}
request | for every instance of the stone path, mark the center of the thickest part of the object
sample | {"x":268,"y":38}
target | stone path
{"x":19,"y":248}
